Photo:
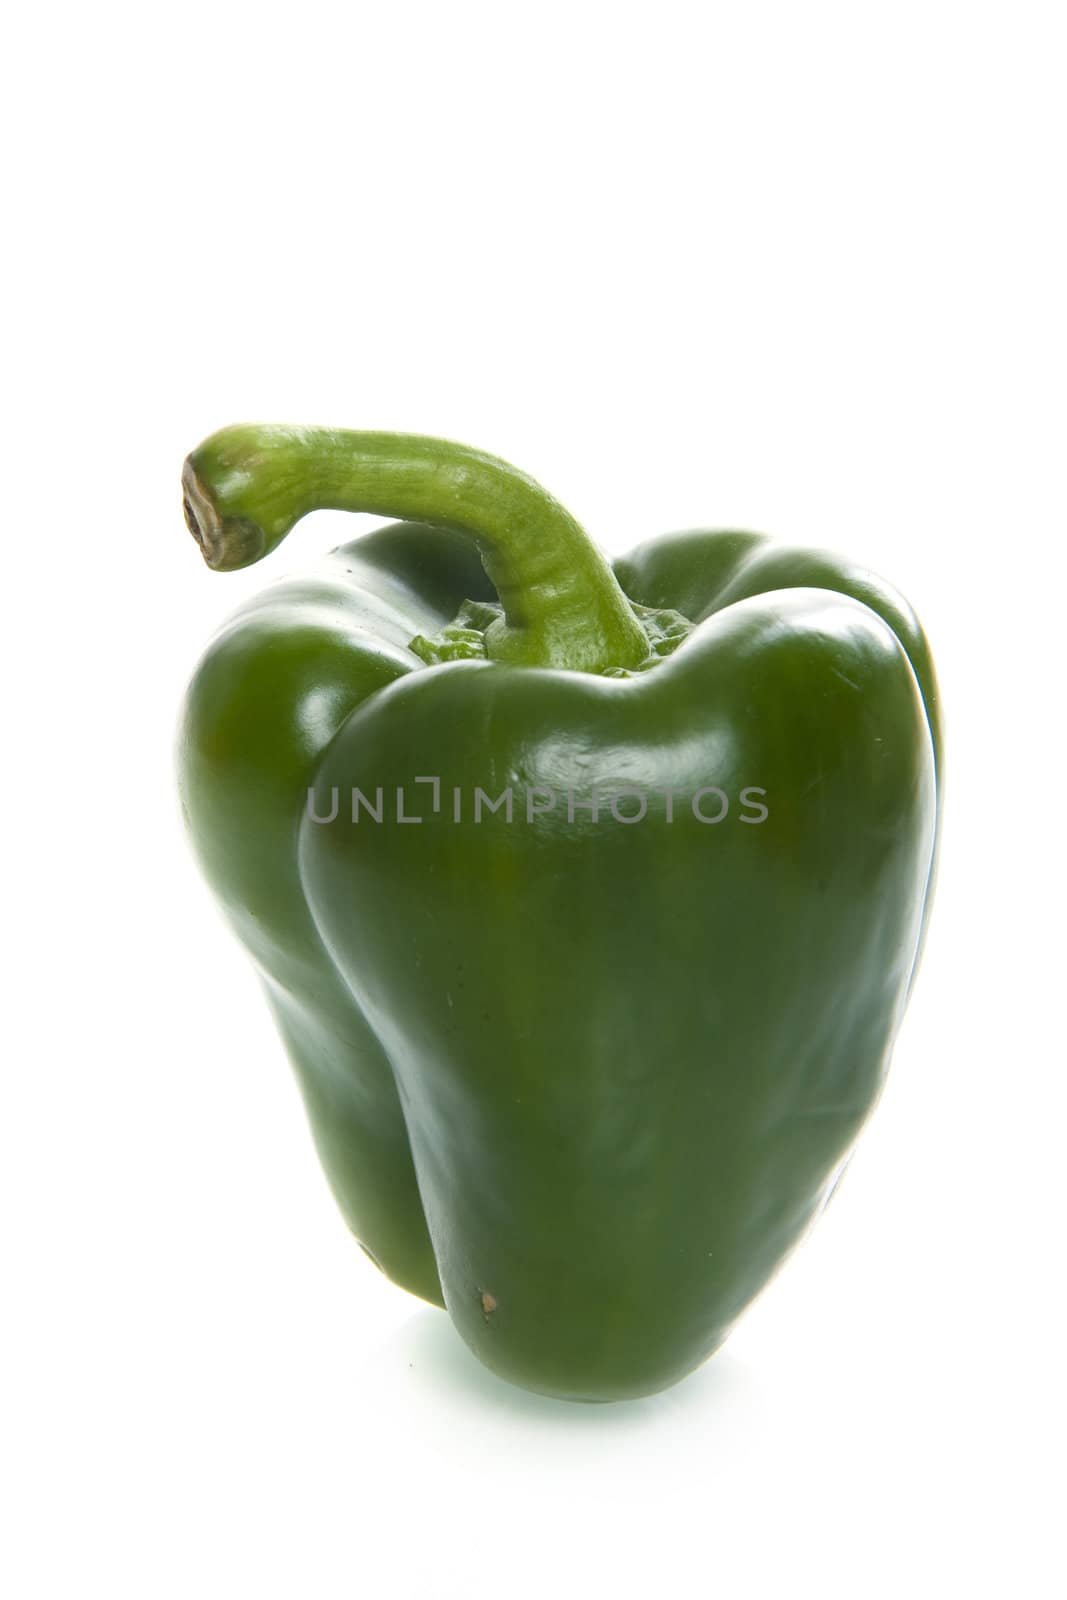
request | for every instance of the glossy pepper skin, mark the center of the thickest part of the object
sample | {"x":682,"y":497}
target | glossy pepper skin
{"x":584,"y":1079}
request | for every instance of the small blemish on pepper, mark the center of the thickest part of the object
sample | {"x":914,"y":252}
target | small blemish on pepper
{"x":488,"y":1304}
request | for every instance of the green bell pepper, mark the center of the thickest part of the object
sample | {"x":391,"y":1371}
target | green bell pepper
{"x":587,"y":901}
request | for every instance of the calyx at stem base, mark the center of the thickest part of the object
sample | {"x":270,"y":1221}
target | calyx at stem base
{"x":463,"y":639}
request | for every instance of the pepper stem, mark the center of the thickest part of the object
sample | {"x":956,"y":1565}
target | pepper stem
{"x":246,"y":486}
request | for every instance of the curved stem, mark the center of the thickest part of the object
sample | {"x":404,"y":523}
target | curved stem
{"x":245,"y":487}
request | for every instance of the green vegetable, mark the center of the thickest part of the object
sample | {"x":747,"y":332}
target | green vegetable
{"x":587,"y":901}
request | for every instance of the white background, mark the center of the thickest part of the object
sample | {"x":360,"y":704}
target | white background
{"x":799,"y":268}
